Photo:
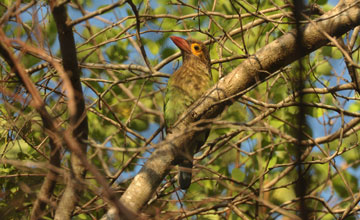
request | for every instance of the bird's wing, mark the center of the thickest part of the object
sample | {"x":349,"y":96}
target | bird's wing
{"x":176,"y":102}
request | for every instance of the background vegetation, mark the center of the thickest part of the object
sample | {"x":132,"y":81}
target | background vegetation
{"x":286,"y":148}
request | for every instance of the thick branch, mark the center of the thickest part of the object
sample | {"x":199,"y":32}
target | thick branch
{"x":281,"y":52}
{"x":78,"y":119}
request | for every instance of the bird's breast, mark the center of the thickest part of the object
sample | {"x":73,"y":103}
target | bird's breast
{"x":192,"y":79}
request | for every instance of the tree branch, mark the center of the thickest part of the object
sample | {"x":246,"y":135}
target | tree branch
{"x":78,"y":119}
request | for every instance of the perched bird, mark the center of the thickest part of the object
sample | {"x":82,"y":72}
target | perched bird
{"x":185,"y":86}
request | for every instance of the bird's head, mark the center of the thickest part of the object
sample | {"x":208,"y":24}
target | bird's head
{"x":192,"y":48}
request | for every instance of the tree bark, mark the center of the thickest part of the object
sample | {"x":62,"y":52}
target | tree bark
{"x":78,"y":119}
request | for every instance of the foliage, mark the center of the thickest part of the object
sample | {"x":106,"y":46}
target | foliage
{"x":250,"y":158}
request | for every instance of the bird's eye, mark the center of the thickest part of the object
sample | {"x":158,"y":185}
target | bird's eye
{"x":196,"y":49}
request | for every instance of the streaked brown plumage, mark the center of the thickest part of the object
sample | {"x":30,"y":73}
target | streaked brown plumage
{"x":185,"y":86}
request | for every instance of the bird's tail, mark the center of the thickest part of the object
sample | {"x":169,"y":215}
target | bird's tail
{"x":185,"y":173}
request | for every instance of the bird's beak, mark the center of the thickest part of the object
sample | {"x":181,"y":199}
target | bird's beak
{"x":181,"y":43}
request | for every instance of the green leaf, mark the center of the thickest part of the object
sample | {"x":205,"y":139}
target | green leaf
{"x":352,"y":155}
{"x":6,"y":170}
{"x":19,"y":149}
{"x":272,"y":162}
{"x":282,"y":195}
{"x":14,"y":189}
{"x":318,"y":112}
{"x":212,"y":217}
{"x":321,"y":2}
{"x":340,"y":186}
{"x":336,"y":54}
{"x":321,"y":170}
{"x":328,"y":217}
{"x":326,"y":51}
{"x":139,"y":125}
{"x":153,"y":46}
{"x":82,"y":216}
{"x":237,"y":174}
{"x":354,"y":107}
{"x":324,"y":69}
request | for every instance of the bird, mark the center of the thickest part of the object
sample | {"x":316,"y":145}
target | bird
{"x":187,"y":84}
